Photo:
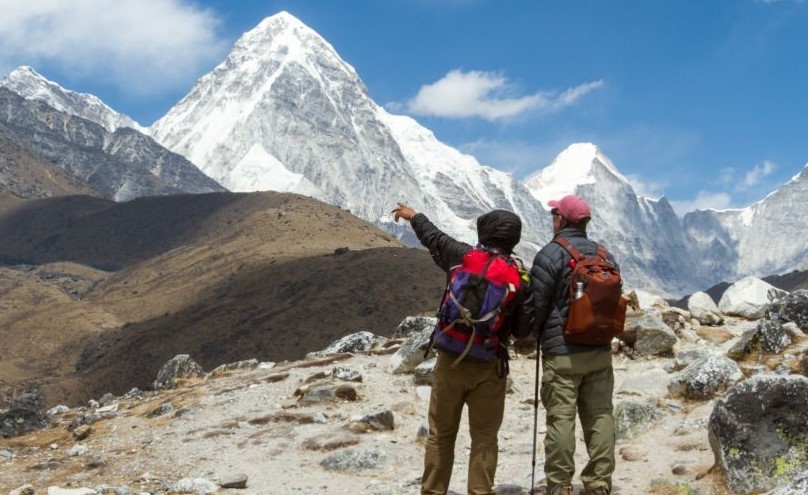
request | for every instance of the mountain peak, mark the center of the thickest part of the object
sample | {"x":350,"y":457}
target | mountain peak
{"x":572,"y":167}
{"x":31,"y":85}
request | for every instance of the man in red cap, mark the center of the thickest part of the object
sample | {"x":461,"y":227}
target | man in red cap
{"x":577,"y":379}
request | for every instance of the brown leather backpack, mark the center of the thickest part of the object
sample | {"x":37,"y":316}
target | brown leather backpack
{"x":597,"y":311}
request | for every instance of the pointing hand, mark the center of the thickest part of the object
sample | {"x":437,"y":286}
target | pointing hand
{"x":403,"y":211}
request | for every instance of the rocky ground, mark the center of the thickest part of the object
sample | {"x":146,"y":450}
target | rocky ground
{"x":353,"y":422}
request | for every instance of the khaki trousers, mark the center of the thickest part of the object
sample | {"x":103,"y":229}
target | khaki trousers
{"x":477,"y":385}
{"x":581,"y":382}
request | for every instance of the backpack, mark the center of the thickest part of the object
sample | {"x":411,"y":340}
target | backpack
{"x":597,"y":309}
{"x":475,"y":305}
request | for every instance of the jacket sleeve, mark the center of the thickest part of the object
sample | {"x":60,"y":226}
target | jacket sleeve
{"x":523,"y":319}
{"x":543,"y":276}
{"x":445,"y":250}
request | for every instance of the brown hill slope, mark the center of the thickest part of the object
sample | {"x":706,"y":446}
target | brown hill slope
{"x":25,"y":174}
{"x":221,"y":276}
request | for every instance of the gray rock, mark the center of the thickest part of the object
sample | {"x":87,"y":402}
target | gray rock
{"x":799,"y":486}
{"x":249,"y":364}
{"x":508,"y":489}
{"x":180,"y":366}
{"x":23,"y":490}
{"x":346,"y":374}
{"x":425,"y":372}
{"x":632,"y":418}
{"x":757,"y":432}
{"x":353,"y":343}
{"x":411,"y":352}
{"x":56,"y":410}
{"x":790,"y":308}
{"x":6,"y":454}
{"x":705,"y":378}
{"x":648,"y":335}
{"x":772,"y":336}
{"x":704,"y":309}
{"x":233,"y":481}
{"x":746,"y":343}
{"x":328,"y":392}
{"x":197,"y":486}
{"x":749,"y":298}
{"x":413,"y":324}
{"x":123,"y":490}
{"x":684,"y":359}
{"x":356,"y":460}
{"x":383,"y":420}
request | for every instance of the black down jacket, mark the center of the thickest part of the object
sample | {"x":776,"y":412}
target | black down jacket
{"x":549,"y":279}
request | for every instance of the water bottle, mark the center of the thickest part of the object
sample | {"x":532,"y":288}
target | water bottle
{"x":579,"y":290}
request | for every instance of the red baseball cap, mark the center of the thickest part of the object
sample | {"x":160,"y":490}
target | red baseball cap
{"x":572,"y":208}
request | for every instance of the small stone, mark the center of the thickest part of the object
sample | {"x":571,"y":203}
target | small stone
{"x":234,"y":481}
{"x":23,"y":490}
{"x":6,"y":454}
{"x":82,"y":432}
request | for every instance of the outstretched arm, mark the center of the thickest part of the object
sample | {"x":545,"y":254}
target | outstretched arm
{"x":445,"y":250}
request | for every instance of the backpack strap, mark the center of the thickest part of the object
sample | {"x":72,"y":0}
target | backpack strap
{"x":576,"y":255}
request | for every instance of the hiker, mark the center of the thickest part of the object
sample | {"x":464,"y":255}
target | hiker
{"x":463,"y":375}
{"x":575,"y":377}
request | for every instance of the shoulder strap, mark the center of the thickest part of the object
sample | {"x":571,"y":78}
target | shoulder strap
{"x":576,"y":255}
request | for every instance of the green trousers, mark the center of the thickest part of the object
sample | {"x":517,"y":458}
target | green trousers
{"x":579,"y":383}
{"x":476,"y":385}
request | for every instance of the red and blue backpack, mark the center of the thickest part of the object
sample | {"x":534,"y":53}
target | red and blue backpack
{"x":476,"y":303}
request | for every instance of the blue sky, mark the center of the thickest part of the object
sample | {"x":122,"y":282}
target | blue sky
{"x":702,"y":101}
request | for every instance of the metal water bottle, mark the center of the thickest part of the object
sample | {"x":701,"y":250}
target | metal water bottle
{"x":579,"y":290}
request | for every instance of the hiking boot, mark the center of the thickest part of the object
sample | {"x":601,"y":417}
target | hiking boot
{"x":562,"y":490}
{"x":594,"y":491}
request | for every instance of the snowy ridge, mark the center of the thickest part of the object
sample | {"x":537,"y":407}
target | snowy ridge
{"x":284,"y":112}
{"x":29,"y":84}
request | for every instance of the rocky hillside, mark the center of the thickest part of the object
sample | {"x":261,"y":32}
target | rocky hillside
{"x":351,"y":418}
{"x":99,"y":294}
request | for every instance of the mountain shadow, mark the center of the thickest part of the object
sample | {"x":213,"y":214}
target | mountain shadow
{"x":279,"y":312}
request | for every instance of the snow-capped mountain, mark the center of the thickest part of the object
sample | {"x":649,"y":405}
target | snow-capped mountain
{"x":120,"y":165}
{"x":29,"y":84}
{"x":765,"y":238}
{"x":645,"y":234}
{"x":285,"y":112}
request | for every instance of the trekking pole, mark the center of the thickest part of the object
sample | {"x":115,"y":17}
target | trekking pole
{"x":535,"y":418}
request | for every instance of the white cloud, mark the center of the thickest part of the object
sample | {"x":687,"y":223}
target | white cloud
{"x":753,"y":177}
{"x":704,"y":200}
{"x":646,"y":188}
{"x":485,"y":94}
{"x":144,"y":46}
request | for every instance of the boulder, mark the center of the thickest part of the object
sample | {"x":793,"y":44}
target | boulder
{"x":425,"y":372}
{"x":648,"y":301}
{"x":705,"y":378}
{"x":411,"y":352}
{"x":799,"y":486}
{"x":790,"y":308}
{"x":648,"y":335}
{"x":180,"y":366}
{"x":746,"y":343}
{"x":772,"y":336}
{"x":356,"y":460}
{"x":757,"y":432}
{"x":353,"y":343}
{"x":703,"y":308}
{"x":413,"y":324}
{"x":633,"y":417}
{"x":749,"y":298}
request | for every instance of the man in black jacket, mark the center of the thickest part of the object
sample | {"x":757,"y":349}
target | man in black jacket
{"x":474,"y":383}
{"x":576,"y":378}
